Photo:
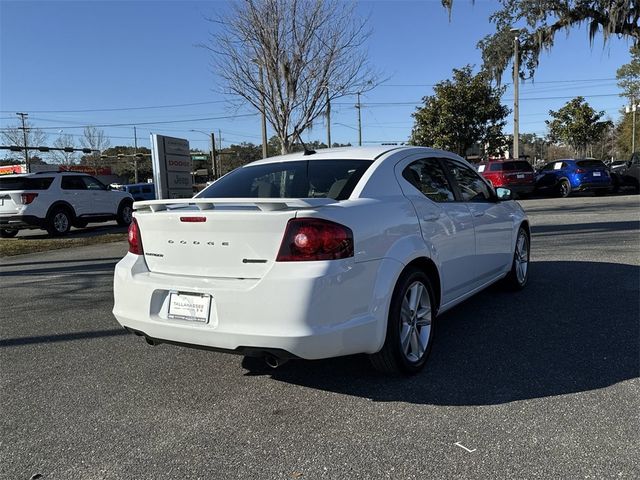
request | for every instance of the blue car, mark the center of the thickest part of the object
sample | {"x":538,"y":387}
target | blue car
{"x":568,"y":175}
{"x":140,"y":191}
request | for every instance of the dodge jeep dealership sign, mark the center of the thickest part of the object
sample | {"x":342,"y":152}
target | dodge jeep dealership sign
{"x":171,"y":167}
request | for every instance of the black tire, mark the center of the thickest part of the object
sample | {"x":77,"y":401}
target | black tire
{"x":518,"y":276}
{"x":8,"y":232}
{"x":564,"y":188}
{"x":125,"y":212}
{"x":408,"y":326}
{"x":58,"y":222}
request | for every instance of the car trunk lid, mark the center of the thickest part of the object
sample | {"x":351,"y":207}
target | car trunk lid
{"x":217,"y":238}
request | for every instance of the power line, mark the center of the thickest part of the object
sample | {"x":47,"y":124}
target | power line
{"x":120,"y":109}
{"x":131,"y":124}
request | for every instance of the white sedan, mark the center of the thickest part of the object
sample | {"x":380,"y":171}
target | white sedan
{"x":323,"y":254}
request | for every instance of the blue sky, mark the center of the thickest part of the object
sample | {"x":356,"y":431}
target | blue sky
{"x":64,"y":62}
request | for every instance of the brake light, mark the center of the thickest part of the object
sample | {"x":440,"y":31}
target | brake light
{"x":581,"y":170}
{"x":27,"y":198}
{"x":308,"y":239}
{"x":135,"y":240}
{"x":193,"y":219}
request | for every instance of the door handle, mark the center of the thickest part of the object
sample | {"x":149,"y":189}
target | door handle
{"x":431,"y":217}
{"x":478,"y":214}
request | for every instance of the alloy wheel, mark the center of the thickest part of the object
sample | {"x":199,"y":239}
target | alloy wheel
{"x":415,"y":322}
{"x":61,"y":222}
{"x":522,"y":257}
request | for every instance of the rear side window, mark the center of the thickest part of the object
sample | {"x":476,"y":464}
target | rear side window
{"x":73,"y":183}
{"x":25,"y":183}
{"x":428,"y":176}
{"x":496,"y":167}
{"x":299,"y":179}
{"x":590,"y":164}
{"x":472,"y":187}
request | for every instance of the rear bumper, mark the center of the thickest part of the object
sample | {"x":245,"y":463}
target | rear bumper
{"x":21,"y":222}
{"x":593,"y":185}
{"x":312,"y":311}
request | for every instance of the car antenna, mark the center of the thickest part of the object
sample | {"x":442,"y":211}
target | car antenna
{"x":306,"y":150}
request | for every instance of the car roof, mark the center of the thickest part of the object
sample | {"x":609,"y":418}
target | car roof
{"x":345,"y":153}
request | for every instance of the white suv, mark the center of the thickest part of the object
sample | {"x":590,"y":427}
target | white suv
{"x":55,"y":201}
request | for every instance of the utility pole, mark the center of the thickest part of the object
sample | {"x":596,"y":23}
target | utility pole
{"x":328,"y":119}
{"x":135,"y":157}
{"x":214,"y":170}
{"x":219,"y":149}
{"x":26,"y":148}
{"x":516,"y":84}
{"x":632,"y":109}
{"x":264,"y":117}
{"x":359,"y":122}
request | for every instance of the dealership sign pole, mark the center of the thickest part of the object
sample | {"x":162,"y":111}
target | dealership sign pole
{"x":172,"y":166}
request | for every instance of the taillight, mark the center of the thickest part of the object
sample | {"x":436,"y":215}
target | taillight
{"x":580,"y":170}
{"x":307,"y":239}
{"x":27,"y":198}
{"x":135,"y":240}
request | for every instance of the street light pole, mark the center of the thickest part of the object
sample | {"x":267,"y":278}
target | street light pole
{"x":26,"y":148}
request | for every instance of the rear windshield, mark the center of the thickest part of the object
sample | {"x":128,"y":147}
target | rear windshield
{"x":590,"y":164}
{"x":300,"y":179}
{"x":518,"y":166}
{"x":25,"y":183}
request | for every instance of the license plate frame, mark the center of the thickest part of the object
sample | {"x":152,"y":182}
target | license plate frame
{"x":189,"y":306}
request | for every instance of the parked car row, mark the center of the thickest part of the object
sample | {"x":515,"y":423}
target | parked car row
{"x":562,"y":177}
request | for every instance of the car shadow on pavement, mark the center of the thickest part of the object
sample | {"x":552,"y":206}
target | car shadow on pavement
{"x":574,"y":328}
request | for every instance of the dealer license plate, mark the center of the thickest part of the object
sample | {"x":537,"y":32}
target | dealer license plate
{"x":189,"y":306}
{"x":596,"y":174}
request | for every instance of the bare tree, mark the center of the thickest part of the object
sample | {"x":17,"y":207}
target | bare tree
{"x":14,"y":137}
{"x":95,"y":139}
{"x":288,"y":58}
{"x":61,"y":157}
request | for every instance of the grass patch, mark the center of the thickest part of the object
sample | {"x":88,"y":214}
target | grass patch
{"x":18,"y":246}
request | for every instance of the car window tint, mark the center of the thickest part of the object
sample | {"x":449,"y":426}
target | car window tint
{"x":133,"y":190}
{"x":496,"y":167}
{"x":93,"y":184}
{"x":429,"y":177}
{"x":549,"y":166}
{"x":590,"y":164}
{"x":472,"y":187}
{"x":73,"y":183}
{"x":518,"y":166}
{"x":147,"y":189}
{"x":10,"y":182}
{"x":297,"y":179}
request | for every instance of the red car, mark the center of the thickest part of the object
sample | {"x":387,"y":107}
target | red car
{"x":516,"y":175}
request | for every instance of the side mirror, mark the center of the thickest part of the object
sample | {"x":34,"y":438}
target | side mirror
{"x":504,"y":194}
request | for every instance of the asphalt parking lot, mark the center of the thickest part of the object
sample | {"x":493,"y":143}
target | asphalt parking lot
{"x":538,"y":384}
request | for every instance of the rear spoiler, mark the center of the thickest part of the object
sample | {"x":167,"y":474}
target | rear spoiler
{"x":264,"y":204}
